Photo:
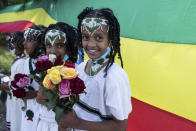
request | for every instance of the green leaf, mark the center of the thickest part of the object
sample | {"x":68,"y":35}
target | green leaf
{"x":25,"y":105}
{"x":58,"y":113}
{"x":48,"y":94}
{"x":52,"y":98}
{"x":43,"y":74}
{"x":51,"y":105}
{"x":31,"y":76}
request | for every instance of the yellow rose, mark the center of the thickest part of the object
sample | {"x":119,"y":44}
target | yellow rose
{"x":51,"y":69}
{"x":59,"y":67}
{"x":54,"y":68}
{"x":47,"y":83}
{"x":68,"y":73}
{"x":55,"y":76}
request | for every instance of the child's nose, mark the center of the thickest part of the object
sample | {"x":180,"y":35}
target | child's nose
{"x":52,"y":50}
{"x":91,"y":43}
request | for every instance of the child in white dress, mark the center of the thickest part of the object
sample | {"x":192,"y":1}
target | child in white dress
{"x":34,"y":48}
{"x":61,"y":41}
{"x":13,"y":107}
{"x":107,"y":102}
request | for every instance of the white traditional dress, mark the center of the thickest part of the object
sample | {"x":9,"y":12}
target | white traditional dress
{"x":106,"y":96}
{"x":28,"y":123}
{"x":13,"y":110}
{"x":47,"y":120}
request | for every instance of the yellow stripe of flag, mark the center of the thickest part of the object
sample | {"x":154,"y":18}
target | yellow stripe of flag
{"x":162,"y":74}
{"x":37,"y":16}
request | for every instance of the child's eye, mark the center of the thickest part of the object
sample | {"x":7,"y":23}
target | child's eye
{"x":60,"y":45}
{"x":48,"y":45}
{"x":98,"y":38}
{"x":85,"y":38}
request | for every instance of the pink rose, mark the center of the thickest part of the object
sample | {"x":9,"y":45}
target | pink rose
{"x":23,"y":82}
{"x":64,"y":89}
{"x":43,"y":58}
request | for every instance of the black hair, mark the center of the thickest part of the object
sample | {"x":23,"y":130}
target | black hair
{"x":16,"y":37}
{"x":114,"y":30}
{"x":40,"y":48}
{"x":71,"y":36}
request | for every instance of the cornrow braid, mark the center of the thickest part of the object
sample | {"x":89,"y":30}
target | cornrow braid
{"x":114,"y":31}
{"x":79,"y":45}
{"x":72,"y":43}
{"x":17,"y":37}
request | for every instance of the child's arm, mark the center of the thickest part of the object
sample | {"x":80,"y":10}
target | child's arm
{"x":71,"y":120}
{"x":31,"y":95}
{"x":41,"y":99}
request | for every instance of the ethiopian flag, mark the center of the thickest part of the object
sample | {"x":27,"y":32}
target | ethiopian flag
{"x":158,"y":42}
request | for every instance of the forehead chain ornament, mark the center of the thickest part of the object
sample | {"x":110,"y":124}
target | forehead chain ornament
{"x":93,"y":24}
{"x":32,"y":32}
{"x":51,"y":35}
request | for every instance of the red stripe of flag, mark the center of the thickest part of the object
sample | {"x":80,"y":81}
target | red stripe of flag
{"x":15,"y":26}
{"x":145,"y":117}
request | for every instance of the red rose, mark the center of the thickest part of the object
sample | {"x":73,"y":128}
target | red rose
{"x":69,"y":64}
{"x":13,"y":83}
{"x":58,"y":61}
{"x":19,"y":93}
{"x":43,"y":65}
{"x":77,"y":85}
{"x":23,"y":75}
{"x":18,"y":76}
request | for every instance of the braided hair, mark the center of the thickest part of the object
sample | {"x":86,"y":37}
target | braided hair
{"x":16,"y":37}
{"x":71,"y":36}
{"x":40,"y":48}
{"x":114,"y":30}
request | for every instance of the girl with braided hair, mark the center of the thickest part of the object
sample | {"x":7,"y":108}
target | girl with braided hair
{"x":107,"y":102}
{"x":13,"y":109}
{"x":34,"y":48}
{"x":61,"y":40}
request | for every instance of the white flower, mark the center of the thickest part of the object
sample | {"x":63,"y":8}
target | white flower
{"x":52,"y":57}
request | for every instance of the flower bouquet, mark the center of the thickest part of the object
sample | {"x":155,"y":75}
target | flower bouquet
{"x":20,"y":86}
{"x":42,"y":65}
{"x":61,"y":84}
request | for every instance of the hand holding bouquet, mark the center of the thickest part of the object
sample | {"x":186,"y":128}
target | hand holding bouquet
{"x":61,"y":84}
{"x":62,"y":87}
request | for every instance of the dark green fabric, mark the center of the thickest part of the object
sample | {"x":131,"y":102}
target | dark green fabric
{"x":151,"y":20}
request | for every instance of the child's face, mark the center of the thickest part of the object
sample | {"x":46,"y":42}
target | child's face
{"x":29,"y":46}
{"x":95,"y":45}
{"x":58,"y":47}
